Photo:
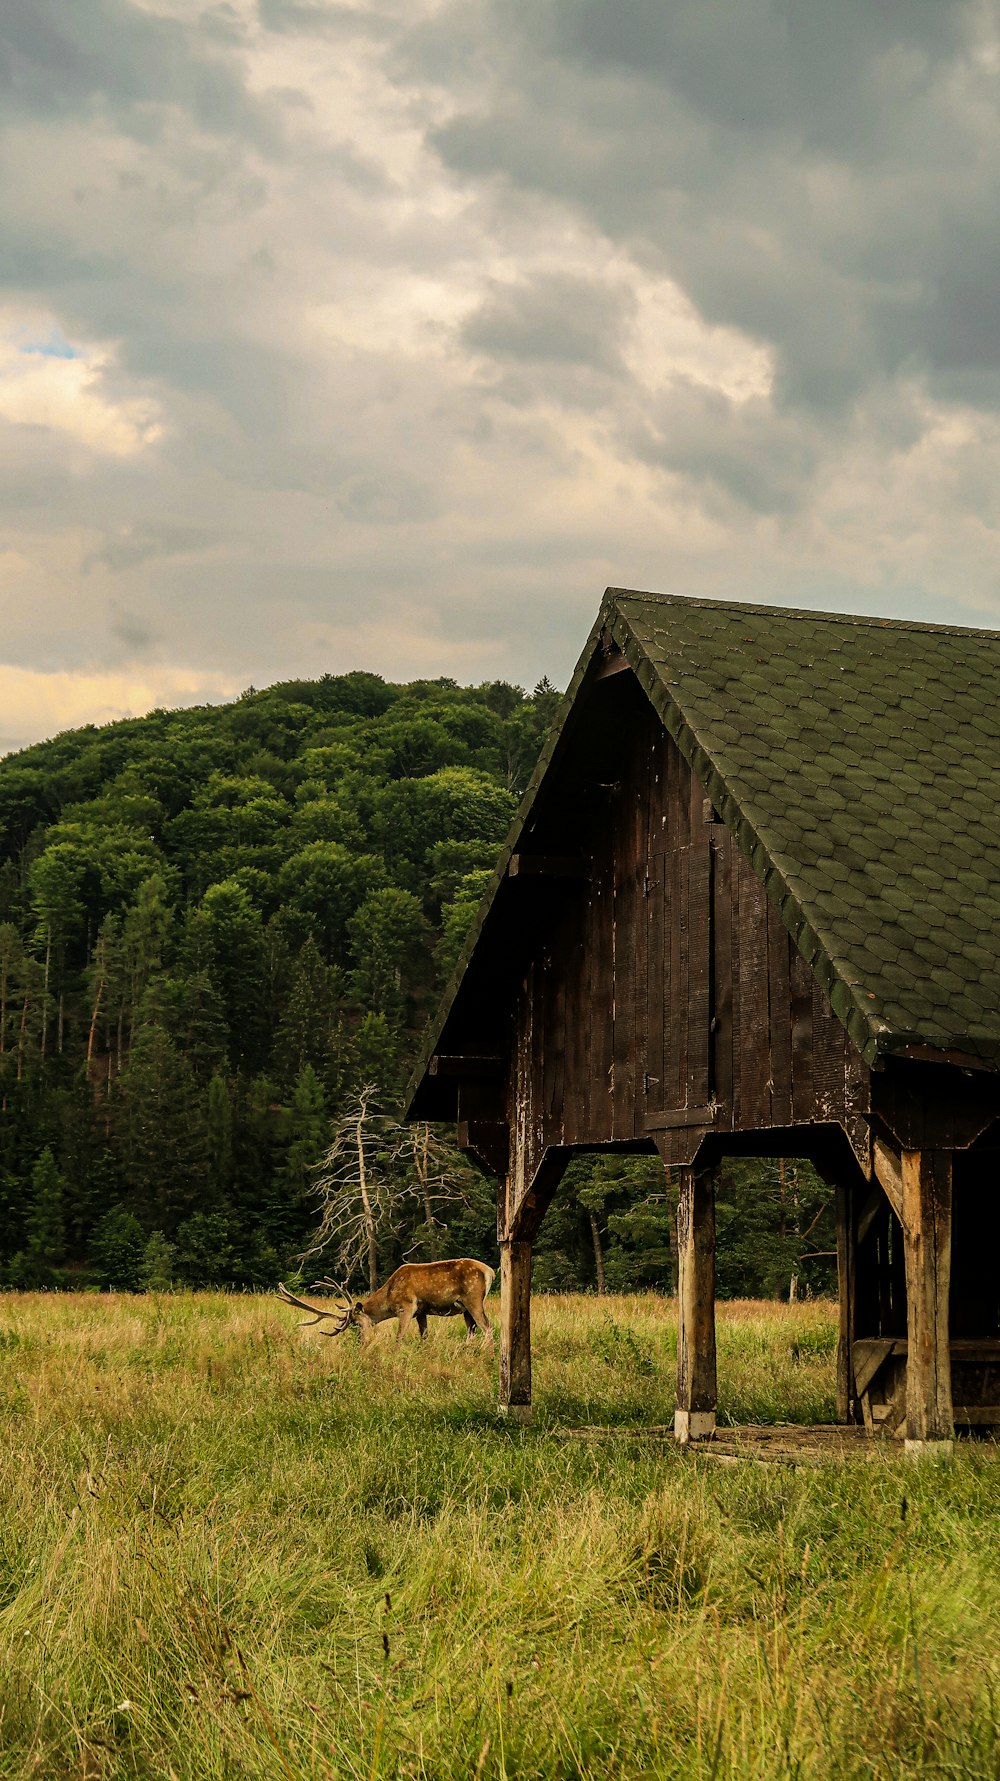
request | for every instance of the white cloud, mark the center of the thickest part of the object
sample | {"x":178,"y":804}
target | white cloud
{"x":35,"y":704}
{"x":47,"y":382}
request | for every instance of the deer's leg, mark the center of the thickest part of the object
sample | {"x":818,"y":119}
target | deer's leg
{"x":480,"y":1319}
{"x":404,"y":1318}
{"x":470,"y":1323}
{"x":422,"y":1325}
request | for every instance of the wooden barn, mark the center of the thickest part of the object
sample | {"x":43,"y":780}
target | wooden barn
{"x":750,"y":906}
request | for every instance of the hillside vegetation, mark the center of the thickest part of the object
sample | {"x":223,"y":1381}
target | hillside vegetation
{"x":215,"y":925}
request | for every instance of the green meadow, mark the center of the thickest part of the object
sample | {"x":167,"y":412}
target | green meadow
{"x":230,"y":1548}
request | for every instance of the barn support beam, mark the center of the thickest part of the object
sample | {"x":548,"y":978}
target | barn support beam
{"x":694,"y":1417}
{"x":926,"y":1205}
{"x":846,"y":1257}
{"x":515,"y":1331}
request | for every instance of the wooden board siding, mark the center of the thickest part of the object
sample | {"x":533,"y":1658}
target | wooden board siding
{"x":664,"y":995}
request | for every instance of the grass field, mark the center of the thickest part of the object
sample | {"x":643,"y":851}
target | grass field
{"x":229,"y":1548}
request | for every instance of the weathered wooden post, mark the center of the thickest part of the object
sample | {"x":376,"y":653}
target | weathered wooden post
{"x":697,"y":1393}
{"x":845,"y":1296}
{"x":515,"y":1331}
{"x":927,"y":1235}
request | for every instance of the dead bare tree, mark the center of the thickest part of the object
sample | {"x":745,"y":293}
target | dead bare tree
{"x":443,"y":1178}
{"x":358,"y":1186}
{"x":373,"y":1170}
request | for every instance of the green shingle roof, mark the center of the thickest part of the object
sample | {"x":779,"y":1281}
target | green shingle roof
{"x":858,"y":762}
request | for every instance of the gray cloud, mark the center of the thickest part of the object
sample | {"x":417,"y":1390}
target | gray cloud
{"x":403,"y":329}
{"x":57,"y":58}
{"x":557,"y":319}
{"x":825,"y":177}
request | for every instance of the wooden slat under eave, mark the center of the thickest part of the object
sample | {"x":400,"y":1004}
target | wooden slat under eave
{"x":801,"y":985}
{"x":778,"y":1022}
{"x":722,"y":899}
{"x":755,"y":1100}
{"x":699,"y":1012}
{"x":623,"y":955}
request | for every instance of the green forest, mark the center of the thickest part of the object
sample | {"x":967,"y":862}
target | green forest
{"x":218,"y":928}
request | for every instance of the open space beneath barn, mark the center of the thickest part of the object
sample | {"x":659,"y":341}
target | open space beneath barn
{"x":230,"y":1548}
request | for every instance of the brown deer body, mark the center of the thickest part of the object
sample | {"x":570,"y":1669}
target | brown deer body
{"x":416,"y":1291}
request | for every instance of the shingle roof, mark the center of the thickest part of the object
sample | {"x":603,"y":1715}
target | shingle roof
{"x":858,"y":762}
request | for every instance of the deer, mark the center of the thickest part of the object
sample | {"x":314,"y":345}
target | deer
{"x":416,"y":1291}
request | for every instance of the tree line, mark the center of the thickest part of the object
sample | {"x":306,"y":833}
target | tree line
{"x":219,"y":927}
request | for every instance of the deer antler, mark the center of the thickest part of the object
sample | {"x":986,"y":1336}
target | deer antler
{"x":328,"y":1285}
{"x":317,"y":1316}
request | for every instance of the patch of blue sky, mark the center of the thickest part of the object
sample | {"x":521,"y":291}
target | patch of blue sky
{"x":54,"y":346}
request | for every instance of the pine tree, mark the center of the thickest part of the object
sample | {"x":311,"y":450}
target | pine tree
{"x":306,"y":1133}
{"x":220,"y":1135}
{"x":44,"y":1234}
{"x":163,"y":1133}
{"x":158,"y":1264}
{"x":117,"y":1248}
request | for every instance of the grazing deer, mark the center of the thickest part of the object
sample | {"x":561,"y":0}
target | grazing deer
{"x":417,"y":1290}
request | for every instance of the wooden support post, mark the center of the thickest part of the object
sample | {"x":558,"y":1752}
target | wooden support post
{"x":515,"y":1331}
{"x":926,"y":1189}
{"x":694,"y":1417}
{"x":845,"y":1290}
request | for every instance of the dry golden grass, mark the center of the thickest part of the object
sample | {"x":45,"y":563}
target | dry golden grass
{"x":229,"y":1548}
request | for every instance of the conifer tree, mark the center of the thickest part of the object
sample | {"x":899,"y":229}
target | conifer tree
{"x":163,"y":1131}
{"x":44,"y":1232}
{"x":117,"y":1248}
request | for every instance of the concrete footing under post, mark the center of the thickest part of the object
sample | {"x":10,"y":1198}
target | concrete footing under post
{"x":928,"y":1449}
{"x":694,"y":1425}
{"x":520,"y":1414}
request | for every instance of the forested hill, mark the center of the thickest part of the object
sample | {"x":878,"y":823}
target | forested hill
{"x":215,"y":924}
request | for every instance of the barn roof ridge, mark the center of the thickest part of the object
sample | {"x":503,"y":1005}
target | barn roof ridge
{"x":811,"y":614}
{"x":856,"y":930}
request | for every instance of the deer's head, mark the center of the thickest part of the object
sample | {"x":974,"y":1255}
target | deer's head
{"x":345,"y":1312}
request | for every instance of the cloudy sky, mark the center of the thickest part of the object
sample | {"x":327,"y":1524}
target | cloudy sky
{"x":386,"y":333}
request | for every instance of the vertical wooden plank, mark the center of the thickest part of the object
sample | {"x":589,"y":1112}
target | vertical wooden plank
{"x":521,"y":1110}
{"x":801,"y":983}
{"x":755,"y":1098}
{"x":694,"y":1417}
{"x":573,"y":1024}
{"x":927,"y":1197}
{"x":897,"y":1276}
{"x":585,"y":1008}
{"x":699,"y":889}
{"x":867,"y":1321}
{"x":676,"y":1011}
{"x":828,"y":1058}
{"x":656,"y":985}
{"x":624,"y":946}
{"x":880,"y":1238}
{"x":599,"y":1013}
{"x":555,"y":1039}
{"x":735,"y":945}
{"x":515,"y":1330}
{"x":845,"y":1295}
{"x":779,"y":1018}
{"x":722,"y":1038}
{"x":640,"y":843}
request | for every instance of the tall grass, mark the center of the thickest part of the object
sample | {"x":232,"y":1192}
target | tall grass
{"x":229,"y":1548}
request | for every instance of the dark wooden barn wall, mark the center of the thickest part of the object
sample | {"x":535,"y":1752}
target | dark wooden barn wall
{"x":665,"y":993}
